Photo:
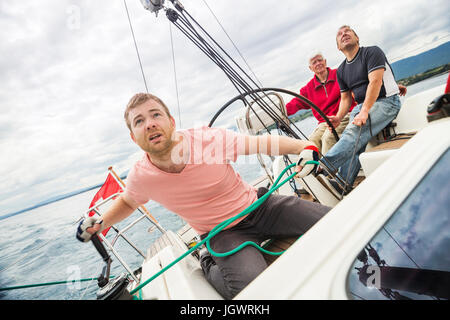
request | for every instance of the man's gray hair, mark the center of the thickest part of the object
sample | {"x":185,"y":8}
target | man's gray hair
{"x":314,"y":53}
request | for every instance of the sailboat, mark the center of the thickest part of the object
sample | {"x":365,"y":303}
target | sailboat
{"x":364,"y":248}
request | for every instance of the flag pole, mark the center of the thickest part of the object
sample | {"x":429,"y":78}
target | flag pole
{"x":120,"y":181}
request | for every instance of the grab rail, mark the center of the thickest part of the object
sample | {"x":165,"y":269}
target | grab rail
{"x":120,"y":233}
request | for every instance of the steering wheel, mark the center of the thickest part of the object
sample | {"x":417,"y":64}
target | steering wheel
{"x":308,"y":102}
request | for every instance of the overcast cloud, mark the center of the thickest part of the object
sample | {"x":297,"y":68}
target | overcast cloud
{"x":68,"y":68}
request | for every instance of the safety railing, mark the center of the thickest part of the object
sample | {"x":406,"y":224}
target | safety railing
{"x":120,"y":233}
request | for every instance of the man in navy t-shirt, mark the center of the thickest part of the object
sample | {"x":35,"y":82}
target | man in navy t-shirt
{"x":354,"y":75}
{"x":367,"y":75}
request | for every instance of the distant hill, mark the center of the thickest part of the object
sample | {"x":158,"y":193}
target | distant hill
{"x":422,"y":62}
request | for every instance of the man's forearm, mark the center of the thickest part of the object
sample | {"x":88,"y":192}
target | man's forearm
{"x":344,"y":105}
{"x":119,"y":210}
{"x":373,"y":89}
{"x":274,"y":145}
{"x":372,"y":92}
{"x":289,"y":145}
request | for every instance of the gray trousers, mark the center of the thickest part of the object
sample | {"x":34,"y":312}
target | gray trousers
{"x":278,"y":217}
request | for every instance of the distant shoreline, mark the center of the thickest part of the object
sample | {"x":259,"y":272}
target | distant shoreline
{"x":57,"y":198}
{"x":425,"y":75}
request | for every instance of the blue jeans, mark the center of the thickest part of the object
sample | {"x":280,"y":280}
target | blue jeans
{"x":340,"y":155}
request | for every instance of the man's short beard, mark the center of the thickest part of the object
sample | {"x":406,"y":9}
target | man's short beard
{"x":161,"y":150}
{"x":166,"y":148}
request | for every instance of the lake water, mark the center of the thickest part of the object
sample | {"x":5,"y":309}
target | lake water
{"x":39,"y":245}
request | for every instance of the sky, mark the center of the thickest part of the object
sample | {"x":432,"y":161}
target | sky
{"x":68,"y":69}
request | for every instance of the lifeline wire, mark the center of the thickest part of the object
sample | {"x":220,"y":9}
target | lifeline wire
{"x":47,"y":284}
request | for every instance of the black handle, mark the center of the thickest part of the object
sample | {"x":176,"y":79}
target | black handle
{"x":100,"y":248}
{"x":103,"y":279}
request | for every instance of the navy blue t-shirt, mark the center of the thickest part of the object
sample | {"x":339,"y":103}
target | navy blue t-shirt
{"x":354,"y":75}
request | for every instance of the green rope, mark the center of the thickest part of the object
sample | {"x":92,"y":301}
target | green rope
{"x":47,"y":284}
{"x":245,"y":212}
{"x":225,"y":223}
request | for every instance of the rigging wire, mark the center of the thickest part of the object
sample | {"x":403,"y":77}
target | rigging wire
{"x":175,"y":74}
{"x":404,"y":251}
{"x":182,"y":21}
{"x":243,"y":58}
{"x":384,"y":228}
{"x":237,"y":80}
{"x":231,"y":73}
{"x":135,"y":45}
{"x":191,"y":33}
{"x":232,"y":42}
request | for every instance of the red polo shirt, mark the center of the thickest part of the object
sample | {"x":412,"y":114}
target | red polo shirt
{"x":325,"y":96}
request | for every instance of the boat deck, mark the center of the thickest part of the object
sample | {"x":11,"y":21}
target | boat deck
{"x":395,"y":143}
{"x":167,"y":239}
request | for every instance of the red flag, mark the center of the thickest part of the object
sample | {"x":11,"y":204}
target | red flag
{"x":447,"y":87}
{"x":109,"y":187}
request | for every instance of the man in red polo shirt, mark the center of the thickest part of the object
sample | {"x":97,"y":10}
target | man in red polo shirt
{"x":322,"y":90}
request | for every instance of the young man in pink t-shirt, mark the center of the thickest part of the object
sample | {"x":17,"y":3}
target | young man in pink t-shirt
{"x":189,"y":173}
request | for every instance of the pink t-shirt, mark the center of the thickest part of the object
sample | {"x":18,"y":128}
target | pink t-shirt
{"x":207,"y":191}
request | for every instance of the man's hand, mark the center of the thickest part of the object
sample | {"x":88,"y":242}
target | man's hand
{"x":335,"y":121}
{"x":88,"y":227}
{"x":344,"y":105}
{"x":309,"y":154}
{"x":402,"y":90}
{"x":360,"y":118}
